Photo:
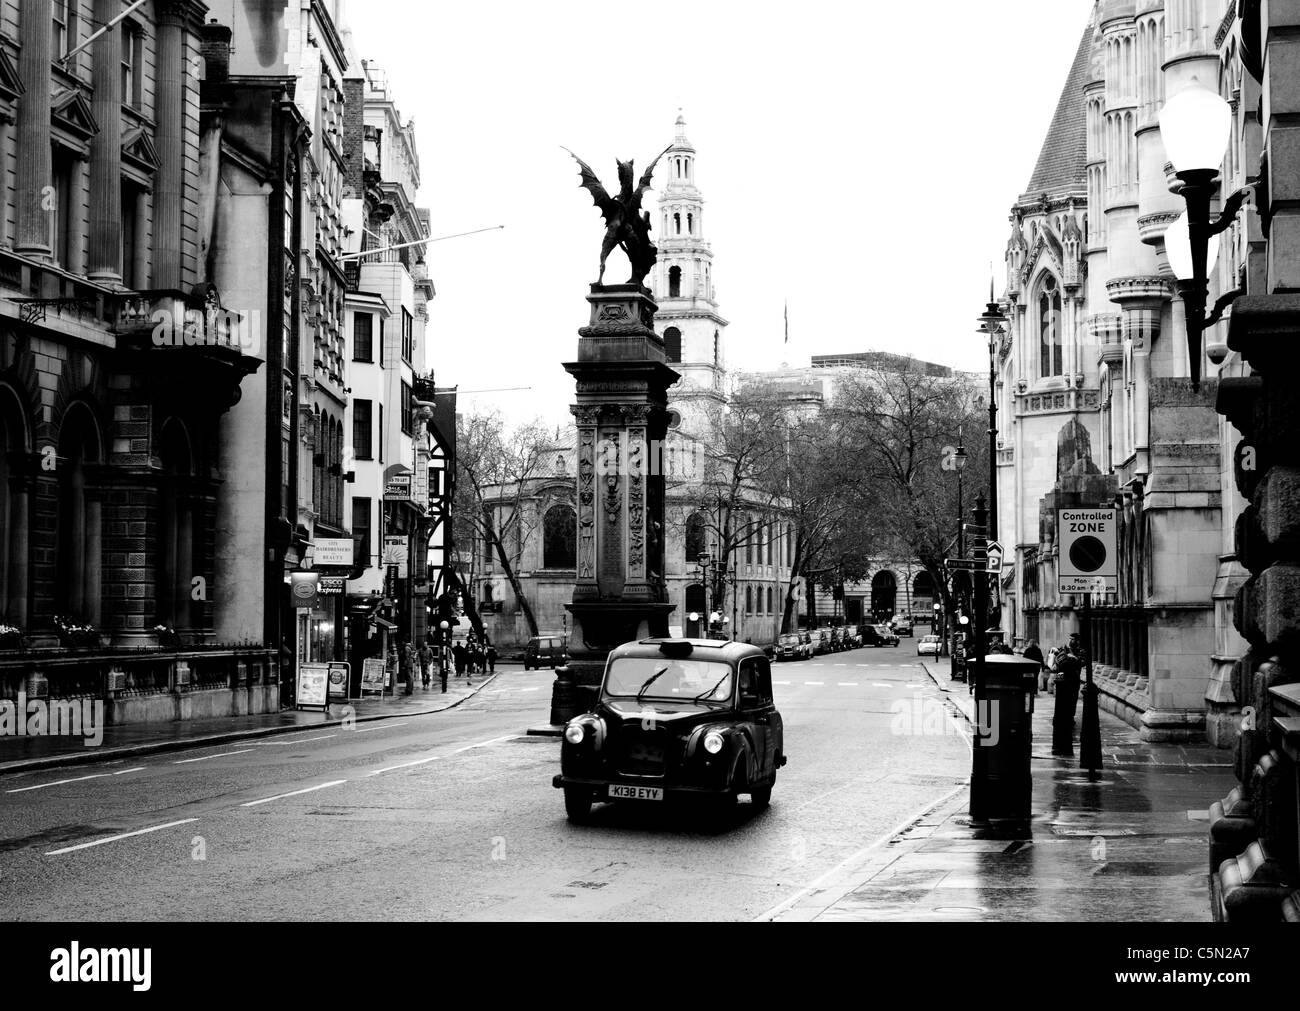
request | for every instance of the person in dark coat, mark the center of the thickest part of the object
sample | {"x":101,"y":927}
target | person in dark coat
{"x":458,"y":652}
{"x":1034,"y":652}
{"x":1069,"y":665}
{"x":491,"y":654}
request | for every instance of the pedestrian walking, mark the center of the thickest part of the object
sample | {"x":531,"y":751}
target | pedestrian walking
{"x":491,"y":657}
{"x":426,"y":661}
{"x":1069,"y":663}
{"x":1034,"y":652}
{"x":458,"y":651}
{"x":406,"y":656}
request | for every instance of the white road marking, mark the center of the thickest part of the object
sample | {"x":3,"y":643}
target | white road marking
{"x":296,"y":740}
{"x":138,"y":768}
{"x":880,"y":684}
{"x":224,"y":754}
{"x":817,"y":683}
{"x":857,"y":857}
{"x":847,"y":684}
{"x":115,"y":838}
{"x":293,"y":793}
{"x":407,"y":765}
{"x":434,"y":758}
{"x":386,"y":726}
{"x":534,"y":688}
{"x":58,"y":782}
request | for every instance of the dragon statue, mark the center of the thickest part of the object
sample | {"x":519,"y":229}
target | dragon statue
{"x":626,"y":225}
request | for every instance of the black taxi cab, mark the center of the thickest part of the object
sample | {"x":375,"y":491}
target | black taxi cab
{"x":675,"y":717}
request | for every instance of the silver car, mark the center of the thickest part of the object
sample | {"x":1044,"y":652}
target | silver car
{"x":927,"y":644}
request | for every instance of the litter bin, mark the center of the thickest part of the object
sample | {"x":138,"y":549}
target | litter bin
{"x":1005,"y":732}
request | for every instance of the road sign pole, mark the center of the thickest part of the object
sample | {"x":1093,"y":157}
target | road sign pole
{"x":1090,"y":730}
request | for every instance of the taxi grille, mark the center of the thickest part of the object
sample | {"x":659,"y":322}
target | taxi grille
{"x":644,"y":753}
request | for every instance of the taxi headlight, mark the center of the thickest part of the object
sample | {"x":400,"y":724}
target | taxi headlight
{"x":713,"y":742}
{"x":573,"y":733}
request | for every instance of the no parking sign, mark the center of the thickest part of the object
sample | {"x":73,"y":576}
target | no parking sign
{"x":1086,"y":561}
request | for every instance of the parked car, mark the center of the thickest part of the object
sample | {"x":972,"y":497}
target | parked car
{"x":792,"y":647}
{"x":821,"y":640}
{"x":837,"y":639}
{"x":545,"y":651}
{"x":675,"y":717}
{"x":928,"y":644}
{"x":853,"y":636}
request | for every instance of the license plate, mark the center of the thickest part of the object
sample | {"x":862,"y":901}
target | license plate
{"x":618,"y":791}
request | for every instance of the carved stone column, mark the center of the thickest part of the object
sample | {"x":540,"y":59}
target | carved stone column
{"x":170,"y":139}
{"x":622,"y":420}
{"x":34,"y":161}
{"x":106,"y":153}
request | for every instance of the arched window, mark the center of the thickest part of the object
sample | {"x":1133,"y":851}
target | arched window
{"x":749,"y":600}
{"x":76,"y":590}
{"x":690,"y":224}
{"x":560,"y":538}
{"x":1050,"y":357}
{"x":175,"y":527}
{"x":695,"y":540}
{"x":13,"y":513}
{"x":675,"y":281}
{"x":673,"y":343}
{"x":717,"y":351}
{"x":677,"y":224}
{"x":771,"y":609}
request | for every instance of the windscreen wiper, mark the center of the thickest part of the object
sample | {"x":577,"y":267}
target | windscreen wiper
{"x":715,"y":687}
{"x":651,"y":680}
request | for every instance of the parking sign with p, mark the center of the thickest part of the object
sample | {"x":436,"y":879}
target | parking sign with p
{"x":1086,"y":561}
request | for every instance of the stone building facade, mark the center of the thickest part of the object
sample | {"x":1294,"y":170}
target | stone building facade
{"x":1094,"y":375}
{"x":129,"y":334}
{"x":1254,"y":692}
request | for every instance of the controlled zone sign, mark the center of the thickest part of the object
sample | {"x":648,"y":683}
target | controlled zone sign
{"x":1086,"y":561}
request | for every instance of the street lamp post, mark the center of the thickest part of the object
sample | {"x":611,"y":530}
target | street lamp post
{"x":959,"y":464}
{"x":993,"y":324}
{"x":1195,"y":126}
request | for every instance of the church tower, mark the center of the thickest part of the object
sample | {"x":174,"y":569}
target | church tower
{"x":688,"y":320}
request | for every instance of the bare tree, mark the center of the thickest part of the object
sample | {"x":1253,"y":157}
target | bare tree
{"x":493,"y":505}
{"x":905,"y":423}
{"x":732,"y":486}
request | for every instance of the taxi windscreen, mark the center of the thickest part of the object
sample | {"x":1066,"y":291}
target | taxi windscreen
{"x":675,"y":678}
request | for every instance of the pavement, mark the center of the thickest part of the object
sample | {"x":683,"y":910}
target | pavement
{"x":1131,"y":846}
{"x":26,"y":754}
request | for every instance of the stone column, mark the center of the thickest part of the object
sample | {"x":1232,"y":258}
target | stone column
{"x":21,"y":487}
{"x":35,"y":173}
{"x":105,"y":264}
{"x":170,"y":140}
{"x":622,"y":417}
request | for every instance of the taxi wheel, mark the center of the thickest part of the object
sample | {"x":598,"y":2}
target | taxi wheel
{"x":577,"y":803}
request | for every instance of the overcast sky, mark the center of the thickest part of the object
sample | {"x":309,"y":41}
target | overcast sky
{"x":858,"y":159}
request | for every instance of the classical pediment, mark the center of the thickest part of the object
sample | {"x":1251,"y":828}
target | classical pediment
{"x":70,"y":110}
{"x":139,"y":152}
{"x":11,"y":85}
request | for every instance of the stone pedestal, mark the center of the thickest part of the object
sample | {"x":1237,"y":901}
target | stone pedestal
{"x":622,"y":425}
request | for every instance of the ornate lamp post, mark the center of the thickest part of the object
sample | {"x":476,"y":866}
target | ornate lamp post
{"x":959,"y":462}
{"x":993,"y":325}
{"x":1194,"y":125}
